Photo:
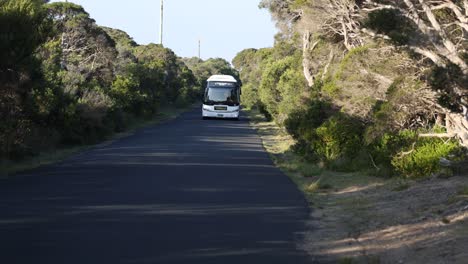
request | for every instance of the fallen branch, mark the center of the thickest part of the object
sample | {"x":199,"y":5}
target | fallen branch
{"x":438,"y":135}
{"x":405,"y":153}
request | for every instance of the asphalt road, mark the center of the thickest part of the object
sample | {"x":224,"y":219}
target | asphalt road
{"x":187,"y":191}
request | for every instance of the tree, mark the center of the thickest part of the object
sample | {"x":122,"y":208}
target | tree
{"x":438,"y":33}
{"x":204,"y":69}
{"x":440,"y":25}
{"x":23,"y":29}
{"x":87,"y":49}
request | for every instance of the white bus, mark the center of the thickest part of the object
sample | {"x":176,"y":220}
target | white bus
{"x":222,"y":98}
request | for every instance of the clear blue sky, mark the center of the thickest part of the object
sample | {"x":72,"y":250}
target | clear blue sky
{"x":225,"y":27}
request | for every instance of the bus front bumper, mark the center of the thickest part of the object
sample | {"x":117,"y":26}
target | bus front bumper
{"x":212,"y":114}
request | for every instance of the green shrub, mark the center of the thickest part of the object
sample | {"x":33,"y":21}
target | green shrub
{"x":405,"y":154}
{"x":300,"y":121}
{"x":268,"y":91}
{"x":301,"y":125}
{"x":331,"y":88}
{"x":423,"y":159}
{"x":263,"y":111}
{"x":323,"y":135}
{"x":338,"y":138}
{"x":184,"y":97}
{"x":387,"y":146}
{"x":124,"y":92}
{"x":249,"y":95}
{"x":291,"y":87}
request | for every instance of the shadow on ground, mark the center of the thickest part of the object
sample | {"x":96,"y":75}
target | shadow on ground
{"x":188,"y":191}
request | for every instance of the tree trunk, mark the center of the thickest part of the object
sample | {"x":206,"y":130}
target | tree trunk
{"x":458,"y":125}
{"x":305,"y":58}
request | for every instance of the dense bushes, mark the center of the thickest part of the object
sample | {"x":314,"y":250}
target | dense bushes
{"x":64,"y":80}
{"x":202,"y":70}
{"x":405,"y":153}
{"x":322,"y":134}
{"x":424,"y":158}
{"x":339,"y":138}
{"x":371,"y":96}
{"x":273,"y":80}
{"x":22,"y":31}
{"x":363,"y":114}
{"x":338,"y":142}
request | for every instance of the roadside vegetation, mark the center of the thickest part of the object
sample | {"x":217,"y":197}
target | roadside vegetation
{"x":364,"y":105}
{"x":363,"y":218}
{"x":362,"y":99}
{"x":67,"y":82}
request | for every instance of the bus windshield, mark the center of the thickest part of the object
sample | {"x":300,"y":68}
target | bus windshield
{"x":222,"y":95}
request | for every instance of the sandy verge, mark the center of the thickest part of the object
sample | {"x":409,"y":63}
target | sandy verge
{"x":426,"y":223}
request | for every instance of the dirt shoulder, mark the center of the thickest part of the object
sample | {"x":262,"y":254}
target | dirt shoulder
{"x":364,"y":219}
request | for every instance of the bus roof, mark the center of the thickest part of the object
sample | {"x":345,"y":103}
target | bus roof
{"x":222,"y":78}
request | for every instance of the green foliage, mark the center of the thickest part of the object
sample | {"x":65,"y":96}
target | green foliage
{"x":300,"y":121}
{"x":302,"y":125}
{"x":202,"y":70}
{"x":250,"y":64}
{"x":423,"y":159}
{"x":268,"y":90}
{"x":121,"y":38}
{"x":23,"y":30}
{"x":404,"y":153}
{"x":300,"y":3}
{"x":273,"y":79}
{"x":387,"y":146}
{"x":282,"y":86}
{"x":386,"y":114}
{"x":66,"y":80}
{"x":352,"y":118}
{"x":336,"y":142}
{"x":330,"y":87}
{"x":338,"y":138}
{"x":244,"y":59}
{"x":249,"y":96}
{"x":292,"y":87}
{"x":125,"y":92}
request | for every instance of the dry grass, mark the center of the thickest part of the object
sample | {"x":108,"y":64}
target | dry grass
{"x":411,"y":226}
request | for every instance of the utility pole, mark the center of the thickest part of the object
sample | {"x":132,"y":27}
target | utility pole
{"x":199,"y":48}
{"x":161,"y":23}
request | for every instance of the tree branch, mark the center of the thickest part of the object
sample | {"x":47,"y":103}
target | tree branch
{"x":429,"y":54}
{"x":465,"y":4}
